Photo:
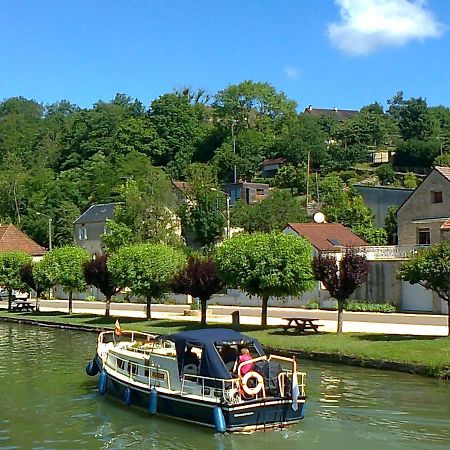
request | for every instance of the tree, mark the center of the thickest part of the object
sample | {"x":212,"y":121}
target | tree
{"x":390,"y":225}
{"x":341,"y":278}
{"x":416,"y":121}
{"x":271,"y":214}
{"x":146,"y":269}
{"x":200,"y":279}
{"x":64,"y":266}
{"x":266,"y":264}
{"x":386,"y":174}
{"x":431,"y":269}
{"x":415,"y":153}
{"x":34,"y":277}
{"x":11,"y":264}
{"x":410,"y":180}
{"x":96,"y":273}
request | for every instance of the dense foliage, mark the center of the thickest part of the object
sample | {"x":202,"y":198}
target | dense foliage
{"x":58,"y":159}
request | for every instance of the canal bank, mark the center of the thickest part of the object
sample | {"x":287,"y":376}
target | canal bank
{"x":428,"y":356}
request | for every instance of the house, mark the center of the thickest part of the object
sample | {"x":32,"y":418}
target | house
{"x":249,"y":193}
{"x":423,"y":218}
{"x":326,"y":237}
{"x":89,"y":227}
{"x":338,"y":114}
{"x":380,"y":198}
{"x":12,"y":239}
{"x":269,"y":167}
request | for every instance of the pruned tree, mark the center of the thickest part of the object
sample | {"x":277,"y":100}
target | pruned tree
{"x":34,"y":277}
{"x":431,"y":269}
{"x":64,"y":266}
{"x":11,"y":264}
{"x":147,"y":269}
{"x":96,"y":273}
{"x":341,"y":278}
{"x":200,"y":279}
{"x":266,"y":264}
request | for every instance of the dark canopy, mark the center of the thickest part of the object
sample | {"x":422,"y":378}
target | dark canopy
{"x":211,"y":364}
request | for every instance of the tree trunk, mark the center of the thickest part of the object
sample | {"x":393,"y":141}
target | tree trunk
{"x":10,"y":296}
{"x":204,"y":306}
{"x":149,"y":307}
{"x":108,"y":306}
{"x":340,"y":321}
{"x":70,"y":302}
{"x":265,"y":300}
{"x":38,"y":296}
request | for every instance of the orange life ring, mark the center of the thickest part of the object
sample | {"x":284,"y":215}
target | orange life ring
{"x":259,"y":383}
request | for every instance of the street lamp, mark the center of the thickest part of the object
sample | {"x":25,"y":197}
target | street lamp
{"x":49,"y":229}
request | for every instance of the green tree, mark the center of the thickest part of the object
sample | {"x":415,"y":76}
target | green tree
{"x":291,"y":177}
{"x":11,"y":264}
{"x":271,"y":214}
{"x":415,"y":120}
{"x":266,"y":264}
{"x":341,"y":278}
{"x":386,"y":174}
{"x":431,"y":269}
{"x":34,"y":277}
{"x":147,"y":269}
{"x":416,"y":153}
{"x":410,"y":180}
{"x":64,"y":266}
{"x":390,"y":225}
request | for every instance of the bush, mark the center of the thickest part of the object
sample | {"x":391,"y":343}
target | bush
{"x":356,"y":306}
{"x":312,"y":304}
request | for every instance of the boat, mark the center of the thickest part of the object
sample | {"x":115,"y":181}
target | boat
{"x":202,"y":377}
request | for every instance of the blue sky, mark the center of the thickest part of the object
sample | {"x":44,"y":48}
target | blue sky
{"x":327,"y":53}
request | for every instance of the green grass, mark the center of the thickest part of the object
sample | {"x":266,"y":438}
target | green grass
{"x":431,"y":353}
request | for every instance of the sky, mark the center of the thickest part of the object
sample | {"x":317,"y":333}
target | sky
{"x":324,"y":53}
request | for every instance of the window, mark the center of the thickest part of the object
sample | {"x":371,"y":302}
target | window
{"x":436,"y":197}
{"x":423,"y":236}
{"x":82,"y":233}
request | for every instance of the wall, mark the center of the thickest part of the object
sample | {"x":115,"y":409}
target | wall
{"x":379,"y":199}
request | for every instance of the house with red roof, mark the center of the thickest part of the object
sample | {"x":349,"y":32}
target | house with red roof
{"x":12,"y":239}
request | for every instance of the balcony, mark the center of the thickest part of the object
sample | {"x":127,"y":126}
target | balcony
{"x":390,"y":252}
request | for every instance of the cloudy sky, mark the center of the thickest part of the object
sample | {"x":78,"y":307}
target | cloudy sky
{"x":327,"y":53}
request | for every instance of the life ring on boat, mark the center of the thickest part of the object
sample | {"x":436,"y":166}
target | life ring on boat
{"x":259,"y":383}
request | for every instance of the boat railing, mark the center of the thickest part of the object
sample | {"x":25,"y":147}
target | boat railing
{"x":128,"y":336}
{"x":220,"y":388}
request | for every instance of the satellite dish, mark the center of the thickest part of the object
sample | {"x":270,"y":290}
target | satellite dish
{"x":319,"y":217}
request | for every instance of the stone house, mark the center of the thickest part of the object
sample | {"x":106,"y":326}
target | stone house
{"x":424,"y":217}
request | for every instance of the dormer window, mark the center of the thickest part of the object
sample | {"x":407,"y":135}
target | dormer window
{"x":436,"y":196}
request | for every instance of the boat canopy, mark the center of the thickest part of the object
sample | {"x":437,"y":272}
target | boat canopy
{"x":211,"y":363}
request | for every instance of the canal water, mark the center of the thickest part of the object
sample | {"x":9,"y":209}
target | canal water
{"x":48,"y":402}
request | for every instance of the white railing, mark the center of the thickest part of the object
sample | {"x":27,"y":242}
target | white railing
{"x":387,"y":252}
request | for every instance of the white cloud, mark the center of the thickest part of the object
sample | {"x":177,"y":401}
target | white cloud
{"x":367,"y":25}
{"x":291,"y":72}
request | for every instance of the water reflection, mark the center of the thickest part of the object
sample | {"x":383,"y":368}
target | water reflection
{"x":49,"y":403}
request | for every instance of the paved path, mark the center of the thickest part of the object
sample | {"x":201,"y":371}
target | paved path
{"x":416,"y":324}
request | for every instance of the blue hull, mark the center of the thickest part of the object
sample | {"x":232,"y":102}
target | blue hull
{"x":252,"y":414}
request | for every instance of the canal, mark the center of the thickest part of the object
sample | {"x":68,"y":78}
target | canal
{"x":48,"y":402}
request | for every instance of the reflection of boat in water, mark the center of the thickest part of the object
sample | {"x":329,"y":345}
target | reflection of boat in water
{"x":202,"y":377}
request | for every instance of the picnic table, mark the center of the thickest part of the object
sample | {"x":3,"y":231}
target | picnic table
{"x":301,"y":324}
{"x":22,"y":305}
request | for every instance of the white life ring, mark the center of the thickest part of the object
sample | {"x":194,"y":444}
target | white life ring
{"x":259,"y":383}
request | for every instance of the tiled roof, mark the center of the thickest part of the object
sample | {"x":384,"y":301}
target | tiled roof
{"x":340,"y":114}
{"x":182,"y":186}
{"x":268,"y":162}
{"x":446,"y":226}
{"x":444,"y":171}
{"x":12,"y":239}
{"x":97,"y":213}
{"x":328,"y":236}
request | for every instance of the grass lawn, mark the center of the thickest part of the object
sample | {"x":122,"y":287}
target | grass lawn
{"x":433,"y":353}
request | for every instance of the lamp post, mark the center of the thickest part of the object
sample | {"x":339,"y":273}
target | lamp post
{"x":49,"y":229}
{"x":233,"y":137}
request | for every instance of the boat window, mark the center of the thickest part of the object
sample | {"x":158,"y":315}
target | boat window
{"x":191,"y":359}
{"x":229,"y":354}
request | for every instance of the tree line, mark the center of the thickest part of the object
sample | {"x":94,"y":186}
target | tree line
{"x":58,"y":159}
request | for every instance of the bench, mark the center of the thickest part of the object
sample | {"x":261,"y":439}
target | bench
{"x":301,"y":324}
{"x":22,"y":305}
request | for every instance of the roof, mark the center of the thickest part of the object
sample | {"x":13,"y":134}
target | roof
{"x":211,"y":364}
{"x":182,"y":186}
{"x":12,"y":239}
{"x":446,"y":226}
{"x":268,"y":162}
{"x":328,"y":236}
{"x":444,"y":171}
{"x":97,"y":213}
{"x":340,"y":114}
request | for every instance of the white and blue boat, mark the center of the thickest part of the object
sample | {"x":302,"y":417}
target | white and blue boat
{"x":200,"y":377}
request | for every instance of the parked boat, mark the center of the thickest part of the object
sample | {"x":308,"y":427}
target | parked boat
{"x":214,"y":377}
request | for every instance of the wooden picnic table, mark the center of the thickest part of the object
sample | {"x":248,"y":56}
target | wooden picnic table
{"x":301,"y":324}
{"x":22,"y":305}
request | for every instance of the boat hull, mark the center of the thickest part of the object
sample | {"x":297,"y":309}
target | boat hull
{"x":248,"y":416}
